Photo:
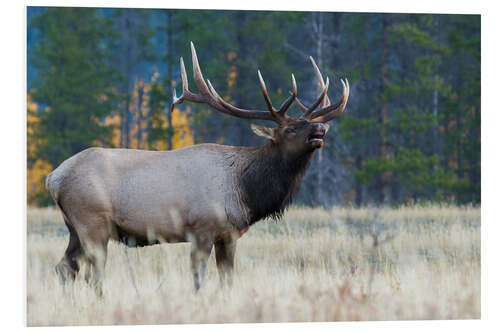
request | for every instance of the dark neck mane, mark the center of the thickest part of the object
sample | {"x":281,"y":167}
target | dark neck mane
{"x":269,"y":180}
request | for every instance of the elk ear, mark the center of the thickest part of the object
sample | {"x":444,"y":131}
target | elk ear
{"x":326,"y":126}
{"x":263,"y":131}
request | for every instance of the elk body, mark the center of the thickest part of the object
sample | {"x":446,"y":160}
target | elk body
{"x":206,"y":194}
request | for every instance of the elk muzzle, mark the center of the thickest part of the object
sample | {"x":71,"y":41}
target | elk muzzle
{"x":318,"y":131}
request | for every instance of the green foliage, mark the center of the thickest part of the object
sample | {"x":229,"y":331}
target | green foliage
{"x":74,"y":80}
{"x":412,"y":131}
{"x":419,"y":151}
{"x":415,"y":172}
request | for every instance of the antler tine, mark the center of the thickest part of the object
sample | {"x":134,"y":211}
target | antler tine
{"x":301,"y":106}
{"x":331,"y":112}
{"x":175,"y":99}
{"x":329,"y":107}
{"x":185,"y":90}
{"x":198,"y":76}
{"x":208,"y":95}
{"x":233,"y":110}
{"x":179,"y":100}
{"x":326,"y":100}
{"x":293,"y":95}
{"x":213,"y":91}
{"x":266,"y":96}
{"x":323,"y":97}
{"x":319,"y":100}
{"x":327,"y":111}
{"x":264,"y":92}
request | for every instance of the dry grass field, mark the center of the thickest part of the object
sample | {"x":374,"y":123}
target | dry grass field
{"x":314,"y":265}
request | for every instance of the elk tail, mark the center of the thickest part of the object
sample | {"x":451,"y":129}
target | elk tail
{"x":52,"y":185}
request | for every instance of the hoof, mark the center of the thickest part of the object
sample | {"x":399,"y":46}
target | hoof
{"x":65,"y":272}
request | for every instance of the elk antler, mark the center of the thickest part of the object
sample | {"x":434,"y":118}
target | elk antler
{"x":208,"y":95}
{"x":327,"y":111}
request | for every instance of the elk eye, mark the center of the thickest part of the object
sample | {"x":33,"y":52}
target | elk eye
{"x":289,"y":131}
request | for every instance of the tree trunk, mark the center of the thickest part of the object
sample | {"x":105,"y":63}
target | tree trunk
{"x":435,"y":128}
{"x":448,"y":151}
{"x":435,"y":107}
{"x":475,"y":174}
{"x":169,"y":79}
{"x":359,"y":188}
{"x":125,"y":71}
{"x":242,"y":71}
{"x":128,"y":120}
{"x":140,"y":116}
{"x":382,"y":117}
{"x":319,"y":57}
{"x":459,"y":131}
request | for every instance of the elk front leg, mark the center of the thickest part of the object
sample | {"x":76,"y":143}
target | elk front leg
{"x":224,"y":256}
{"x":200,"y":251}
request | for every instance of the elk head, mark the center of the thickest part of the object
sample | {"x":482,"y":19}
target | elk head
{"x":292,"y":135}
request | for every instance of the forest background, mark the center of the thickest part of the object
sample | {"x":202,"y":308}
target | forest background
{"x":412,"y":132}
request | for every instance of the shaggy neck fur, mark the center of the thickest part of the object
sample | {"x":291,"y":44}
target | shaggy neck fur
{"x":269,"y":180}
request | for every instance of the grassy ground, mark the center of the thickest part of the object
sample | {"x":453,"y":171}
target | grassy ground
{"x":314,"y":265}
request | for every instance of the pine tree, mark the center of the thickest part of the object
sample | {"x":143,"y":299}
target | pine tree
{"x":73,"y":83}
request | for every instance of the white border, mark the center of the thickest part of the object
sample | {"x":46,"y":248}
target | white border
{"x":421,"y":6}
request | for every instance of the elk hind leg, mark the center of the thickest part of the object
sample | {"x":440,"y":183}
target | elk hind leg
{"x":95,"y":248}
{"x":68,"y":267}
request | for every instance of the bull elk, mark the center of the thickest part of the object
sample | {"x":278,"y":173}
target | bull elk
{"x":206,"y":194}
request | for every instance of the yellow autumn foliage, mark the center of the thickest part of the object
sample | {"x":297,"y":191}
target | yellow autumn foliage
{"x":33,"y":121}
{"x":180,"y":121}
{"x":38,"y":169}
{"x":36,"y":181}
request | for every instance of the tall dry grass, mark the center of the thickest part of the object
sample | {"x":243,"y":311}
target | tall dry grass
{"x":314,"y":265}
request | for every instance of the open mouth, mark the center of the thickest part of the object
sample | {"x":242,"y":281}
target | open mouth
{"x":316,"y":137}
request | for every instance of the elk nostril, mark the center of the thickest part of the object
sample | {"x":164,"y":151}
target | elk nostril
{"x":319,"y":127}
